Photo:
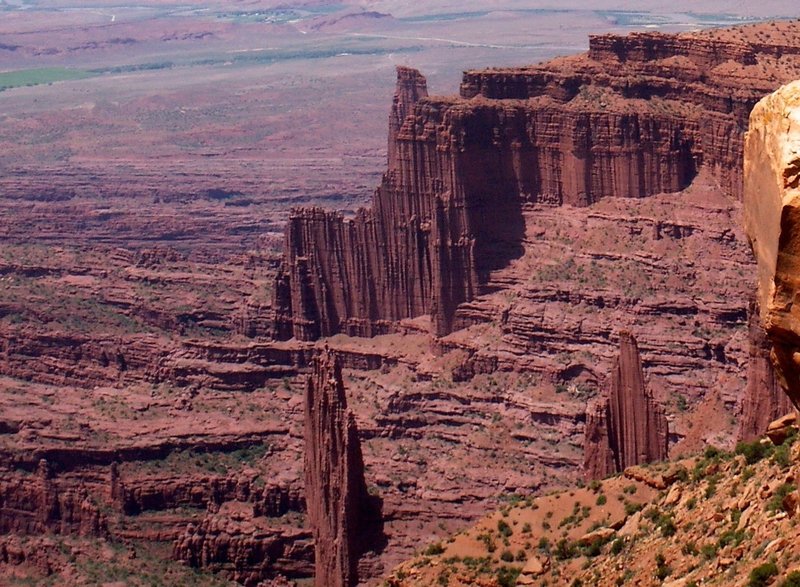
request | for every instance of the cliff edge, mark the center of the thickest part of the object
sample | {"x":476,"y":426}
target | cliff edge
{"x":772,"y":222}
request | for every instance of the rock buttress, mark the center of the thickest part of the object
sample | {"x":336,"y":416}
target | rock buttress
{"x":628,"y":427}
{"x":336,"y":493}
{"x":772,"y":222}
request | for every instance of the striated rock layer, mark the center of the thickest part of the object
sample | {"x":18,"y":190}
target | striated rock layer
{"x":628,"y":427}
{"x":336,"y":493}
{"x":772,"y":218}
{"x":635,"y":116}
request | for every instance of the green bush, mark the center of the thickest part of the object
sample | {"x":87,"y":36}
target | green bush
{"x":507,"y":556}
{"x":761,"y":576}
{"x":564,"y":549}
{"x":752,"y":451}
{"x":617,"y":546}
{"x":663,"y":570}
{"x":792,"y":580}
{"x":507,"y":576}
{"x":708,"y":551}
{"x":504,"y":529}
{"x":601,"y":499}
{"x":775,"y":502}
{"x":434,"y":549}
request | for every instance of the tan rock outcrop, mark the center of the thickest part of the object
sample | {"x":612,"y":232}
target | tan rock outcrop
{"x":772,"y":222}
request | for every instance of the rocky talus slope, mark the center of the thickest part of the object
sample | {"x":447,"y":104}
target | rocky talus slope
{"x":727,"y":519}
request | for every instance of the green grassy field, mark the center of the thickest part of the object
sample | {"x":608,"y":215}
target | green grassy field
{"x":33,"y":77}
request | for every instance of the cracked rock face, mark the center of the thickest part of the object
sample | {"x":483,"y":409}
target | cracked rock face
{"x":772,"y":222}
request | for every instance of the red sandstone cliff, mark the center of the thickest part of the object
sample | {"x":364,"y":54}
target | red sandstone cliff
{"x":628,"y":427}
{"x":39,"y":504}
{"x":764,"y":400}
{"x":336,"y":493}
{"x":635,"y":116}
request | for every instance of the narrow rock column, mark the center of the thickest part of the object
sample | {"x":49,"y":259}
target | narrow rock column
{"x":334,"y":475}
{"x":628,"y":427}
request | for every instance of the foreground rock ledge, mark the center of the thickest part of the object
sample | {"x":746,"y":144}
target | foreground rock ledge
{"x":772,"y":222}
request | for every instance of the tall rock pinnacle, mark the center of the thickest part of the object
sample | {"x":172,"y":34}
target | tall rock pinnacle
{"x":411,"y":87}
{"x":628,"y":427}
{"x":336,"y":494}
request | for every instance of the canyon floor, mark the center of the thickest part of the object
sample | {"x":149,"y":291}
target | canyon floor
{"x":150,"y":156}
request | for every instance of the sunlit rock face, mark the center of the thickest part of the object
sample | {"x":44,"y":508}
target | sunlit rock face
{"x":772,"y":221}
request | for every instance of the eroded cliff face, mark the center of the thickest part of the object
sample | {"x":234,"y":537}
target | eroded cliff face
{"x":772,"y":217}
{"x":764,"y":399}
{"x":336,"y":493}
{"x":628,"y":427}
{"x":635,"y":116}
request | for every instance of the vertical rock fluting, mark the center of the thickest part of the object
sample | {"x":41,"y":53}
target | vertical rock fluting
{"x":772,"y":222}
{"x":629,"y":427}
{"x":358,"y":275}
{"x":336,"y":494}
{"x":764,"y":400}
{"x":411,"y":88}
{"x":635,"y":116}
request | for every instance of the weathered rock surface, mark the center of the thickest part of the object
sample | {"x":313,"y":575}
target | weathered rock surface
{"x":336,"y":493}
{"x":38,"y":504}
{"x":764,"y":399}
{"x":772,"y":213}
{"x":245,"y":548}
{"x":628,"y":427}
{"x":636,"y":116}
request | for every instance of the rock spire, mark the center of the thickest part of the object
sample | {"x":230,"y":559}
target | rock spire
{"x":628,"y":427}
{"x":336,"y":494}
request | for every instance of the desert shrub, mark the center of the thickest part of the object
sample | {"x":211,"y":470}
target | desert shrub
{"x":708,"y":551}
{"x":775,"y":502}
{"x":762,"y":575}
{"x":663,"y":570}
{"x":564,"y":549}
{"x":792,"y":580}
{"x":601,"y":499}
{"x":631,"y":508}
{"x":434,"y":549}
{"x":507,"y":556}
{"x":504,"y":529}
{"x":752,"y":451}
{"x":507,"y":576}
{"x":781,"y":456}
